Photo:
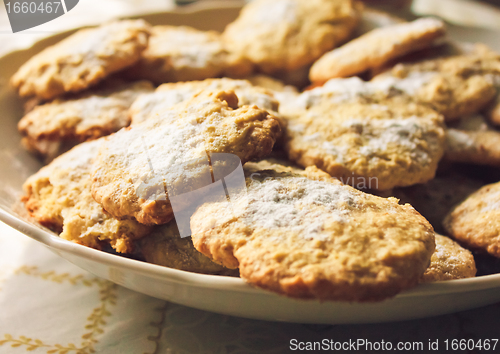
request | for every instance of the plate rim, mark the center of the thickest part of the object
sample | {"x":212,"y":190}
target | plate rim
{"x":53,"y":241}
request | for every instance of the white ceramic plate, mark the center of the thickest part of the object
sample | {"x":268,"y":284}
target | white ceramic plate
{"x":214,"y":293}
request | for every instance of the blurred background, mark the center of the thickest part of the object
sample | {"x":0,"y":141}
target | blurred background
{"x":484,"y":14}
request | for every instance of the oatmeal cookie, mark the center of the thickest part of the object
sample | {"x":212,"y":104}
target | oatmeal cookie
{"x":141,"y":166}
{"x":455,"y":86}
{"x":475,"y":222}
{"x":285,"y":35}
{"x":364,"y":137}
{"x":476,"y":147}
{"x":449,"y":261}
{"x":82,"y":60}
{"x":440,"y":49}
{"x":184,"y":54}
{"x":59,"y":197}
{"x":52,"y":128}
{"x":310,"y":238}
{"x":375,"y":48}
{"x":165,"y":247}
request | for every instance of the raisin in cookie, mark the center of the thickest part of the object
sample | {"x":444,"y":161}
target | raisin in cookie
{"x":286,"y":35}
{"x":59,"y":197}
{"x":310,"y":238}
{"x":82,"y":60}
{"x":375,"y":48}
{"x":476,"y":221}
{"x":184,"y":53}
{"x":141,"y":166}
{"x":52,"y":128}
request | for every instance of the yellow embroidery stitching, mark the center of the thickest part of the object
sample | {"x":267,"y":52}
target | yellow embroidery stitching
{"x":96,"y":319}
{"x":159,"y":325}
{"x":96,"y":322}
{"x":58,"y":278}
{"x":32,"y":344}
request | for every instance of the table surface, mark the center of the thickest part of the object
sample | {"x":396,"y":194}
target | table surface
{"x":48,"y":305}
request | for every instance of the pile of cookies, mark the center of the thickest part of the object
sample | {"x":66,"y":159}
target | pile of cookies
{"x":312,"y":148}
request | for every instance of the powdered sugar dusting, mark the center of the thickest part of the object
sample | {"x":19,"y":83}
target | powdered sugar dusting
{"x":168,"y":95}
{"x":171,"y":149}
{"x":91,"y":39}
{"x":378,"y":135}
{"x":99,"y":38}
{"x":443,"y":254}
{"x":411,"y":84}
{"x":154,"y":103}
{"x":77,"y":159}
{"x":335,"y":150}
{"x":277,"y":11}
{"x":405,"y":133}
{"x":168,"y":158}
{"x":342,"y":90}
{"x":186,"y":47}
{"x":298,"y":204}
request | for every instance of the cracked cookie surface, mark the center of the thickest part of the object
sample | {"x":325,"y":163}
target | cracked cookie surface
{"x":141,"y":166}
